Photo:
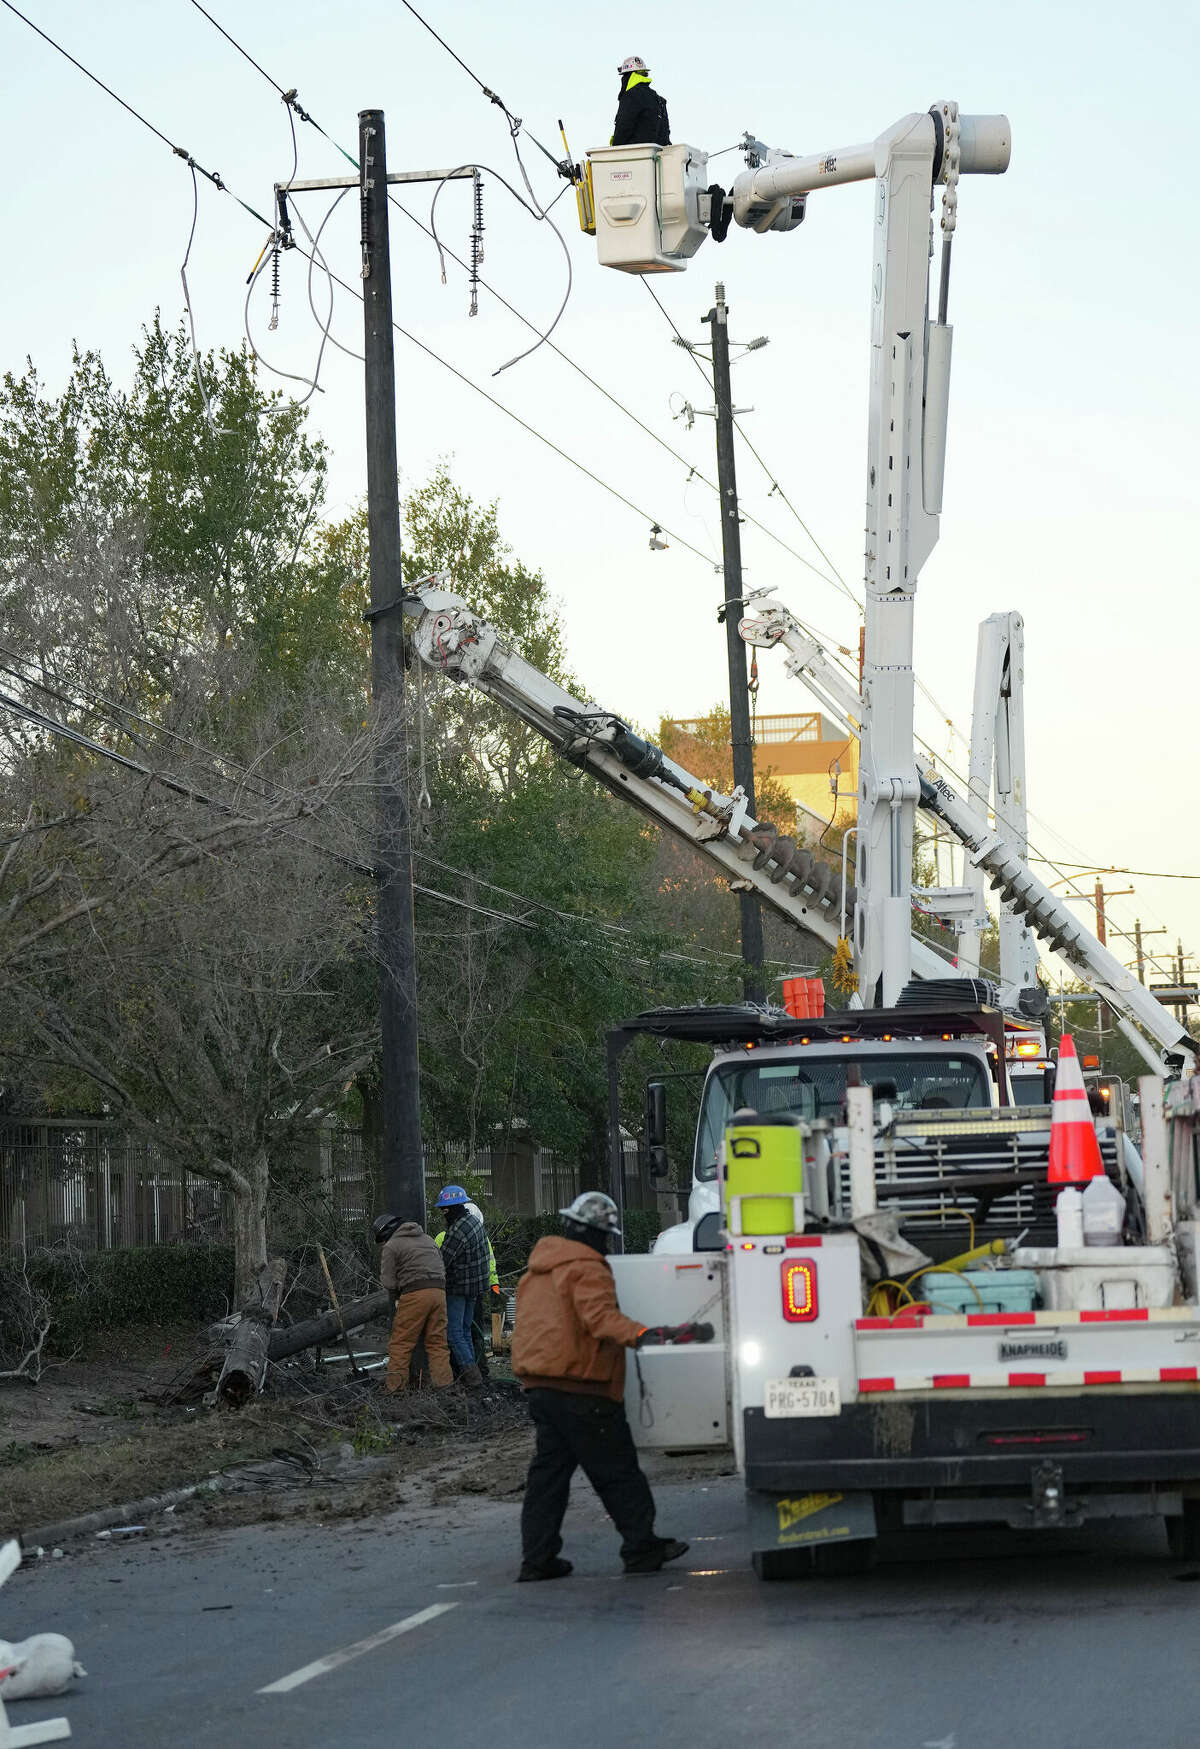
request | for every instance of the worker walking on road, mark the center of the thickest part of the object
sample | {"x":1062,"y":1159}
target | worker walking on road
{"x":410,"y":1269}
{"x":641,"y":112}
{"x":464,"y":1253}
{"x":568,"y":1351}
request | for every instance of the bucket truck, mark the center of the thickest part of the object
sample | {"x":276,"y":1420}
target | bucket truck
{"x":902,"y":1340}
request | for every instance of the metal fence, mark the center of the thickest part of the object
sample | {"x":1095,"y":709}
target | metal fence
{"x":93,"y":1185}
{"x":90,"y":1184}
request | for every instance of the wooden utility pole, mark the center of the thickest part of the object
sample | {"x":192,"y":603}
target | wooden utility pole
{"x":739,"y":698}
{"x":402,"y":1186}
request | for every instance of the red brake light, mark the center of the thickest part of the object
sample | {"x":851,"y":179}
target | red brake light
{"x":798,"y":1279}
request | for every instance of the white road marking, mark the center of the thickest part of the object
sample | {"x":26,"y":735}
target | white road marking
{"x":333,"y":1660}
{"x":457,"y":1584}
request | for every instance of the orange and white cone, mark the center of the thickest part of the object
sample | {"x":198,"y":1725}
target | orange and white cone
{"x":1074,"y":1150}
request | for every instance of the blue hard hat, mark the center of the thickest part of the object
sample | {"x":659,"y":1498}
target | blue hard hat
{"x":451,"y":1196}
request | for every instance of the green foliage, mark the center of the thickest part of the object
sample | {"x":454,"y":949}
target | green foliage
{"x":216,"y":510}
{"x":106,"y":1290}
{"x":215,"y":988}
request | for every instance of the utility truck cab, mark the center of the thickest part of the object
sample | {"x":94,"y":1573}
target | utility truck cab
{"x":807,"y":1079}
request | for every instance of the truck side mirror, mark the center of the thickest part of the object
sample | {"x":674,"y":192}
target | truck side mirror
{"x":656,"y":1129}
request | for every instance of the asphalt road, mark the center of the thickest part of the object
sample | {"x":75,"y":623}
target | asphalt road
{"x":965,"y":1643}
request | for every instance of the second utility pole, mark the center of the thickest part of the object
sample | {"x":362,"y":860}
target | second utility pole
{"x":402,"y":1187}
{"x":739,"y":698}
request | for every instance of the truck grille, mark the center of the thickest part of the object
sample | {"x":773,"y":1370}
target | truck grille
{"x":998,"y":1213}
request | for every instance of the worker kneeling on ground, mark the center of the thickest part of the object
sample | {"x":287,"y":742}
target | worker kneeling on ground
{"x":568,"y":1351}
{"x":410,"y":1269}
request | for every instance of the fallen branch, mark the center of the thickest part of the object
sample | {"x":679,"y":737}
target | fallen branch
{"x":32,"y":1316}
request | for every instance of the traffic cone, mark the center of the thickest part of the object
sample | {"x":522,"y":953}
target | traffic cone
{"x":1074,"y":1150}
{"x":795,"y":998}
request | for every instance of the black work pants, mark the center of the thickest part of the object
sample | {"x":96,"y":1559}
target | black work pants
{"x":590,"y":1433}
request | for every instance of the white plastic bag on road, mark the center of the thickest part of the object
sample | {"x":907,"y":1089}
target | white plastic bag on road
{"x":42,"y":1665}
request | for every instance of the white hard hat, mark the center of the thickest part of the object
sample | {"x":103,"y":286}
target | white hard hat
{"x":633,"y":64}
{"x":593,"y":1209}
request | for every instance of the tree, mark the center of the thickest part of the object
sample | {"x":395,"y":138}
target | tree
{"x":213,"y":501}
{"x":707,"y":750}
{"x":189,"y":951}
{"x":201,"y":972}
{"x":187,"y":937}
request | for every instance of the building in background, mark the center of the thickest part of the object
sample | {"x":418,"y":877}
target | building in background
{"x":803,"y":751}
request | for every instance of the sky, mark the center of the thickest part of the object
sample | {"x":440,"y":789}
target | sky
{"x":1072,"y":476}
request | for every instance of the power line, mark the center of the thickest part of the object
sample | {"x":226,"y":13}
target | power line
{"x":1147,"y":874}
{"x":216,"y":180}
{"x":614,"y":400}
{"x":180,"y":151}
{"x":532,"y":431}
{"x":837,"y":580}
{"x":270,"y":793}
{"x":245,"y":53}
{"x":515,"y":123}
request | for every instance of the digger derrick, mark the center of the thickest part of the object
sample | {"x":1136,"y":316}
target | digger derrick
{"x":1048,"y":917}
{"x":451,"y":639}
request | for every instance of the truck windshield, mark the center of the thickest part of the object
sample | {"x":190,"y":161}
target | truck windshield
{"x":816,"y":1087}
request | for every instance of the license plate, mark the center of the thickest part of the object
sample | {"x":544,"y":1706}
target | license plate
{"x":801,"y":1397}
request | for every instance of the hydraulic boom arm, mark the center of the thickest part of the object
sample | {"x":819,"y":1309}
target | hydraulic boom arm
{"x":1046,"y":914}
{"x":452,"y":640}
{"x":998,"y":856}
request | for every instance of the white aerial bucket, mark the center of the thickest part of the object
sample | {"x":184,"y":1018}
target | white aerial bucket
{"x":647,"y":206}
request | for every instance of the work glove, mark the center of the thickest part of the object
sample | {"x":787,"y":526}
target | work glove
{"x":660,"y":1334}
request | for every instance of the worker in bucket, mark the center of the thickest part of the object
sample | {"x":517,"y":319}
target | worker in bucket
{"x":485,"y":1303}
{"x":568,"y":1351}
{"x":464,"y":1252}
{"x":641,"y":112}
{"x":410,"y":1269}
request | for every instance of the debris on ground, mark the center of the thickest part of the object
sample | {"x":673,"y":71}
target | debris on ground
{"x":33,"y":1669}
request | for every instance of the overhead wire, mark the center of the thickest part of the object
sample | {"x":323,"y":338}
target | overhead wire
{"x":942,"y":760}
{"x":836,"y":580}
{"x":444,"y":250}
{"x":538,"y":212}
{"x":214,"y":177}
{"x":262,"y":790}
{"x":515,"y":123}
{"x":413,"y":340}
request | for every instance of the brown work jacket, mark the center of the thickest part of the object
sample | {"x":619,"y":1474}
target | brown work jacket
{"x":568,"y":1334}
{"x":410,"y":1260}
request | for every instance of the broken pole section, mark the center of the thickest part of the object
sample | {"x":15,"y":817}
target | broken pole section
{"x":328,"y":1326}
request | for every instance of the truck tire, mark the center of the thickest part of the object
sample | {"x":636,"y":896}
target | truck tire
{"x":1183,"y":1534}
{"x":773,"y":1564}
